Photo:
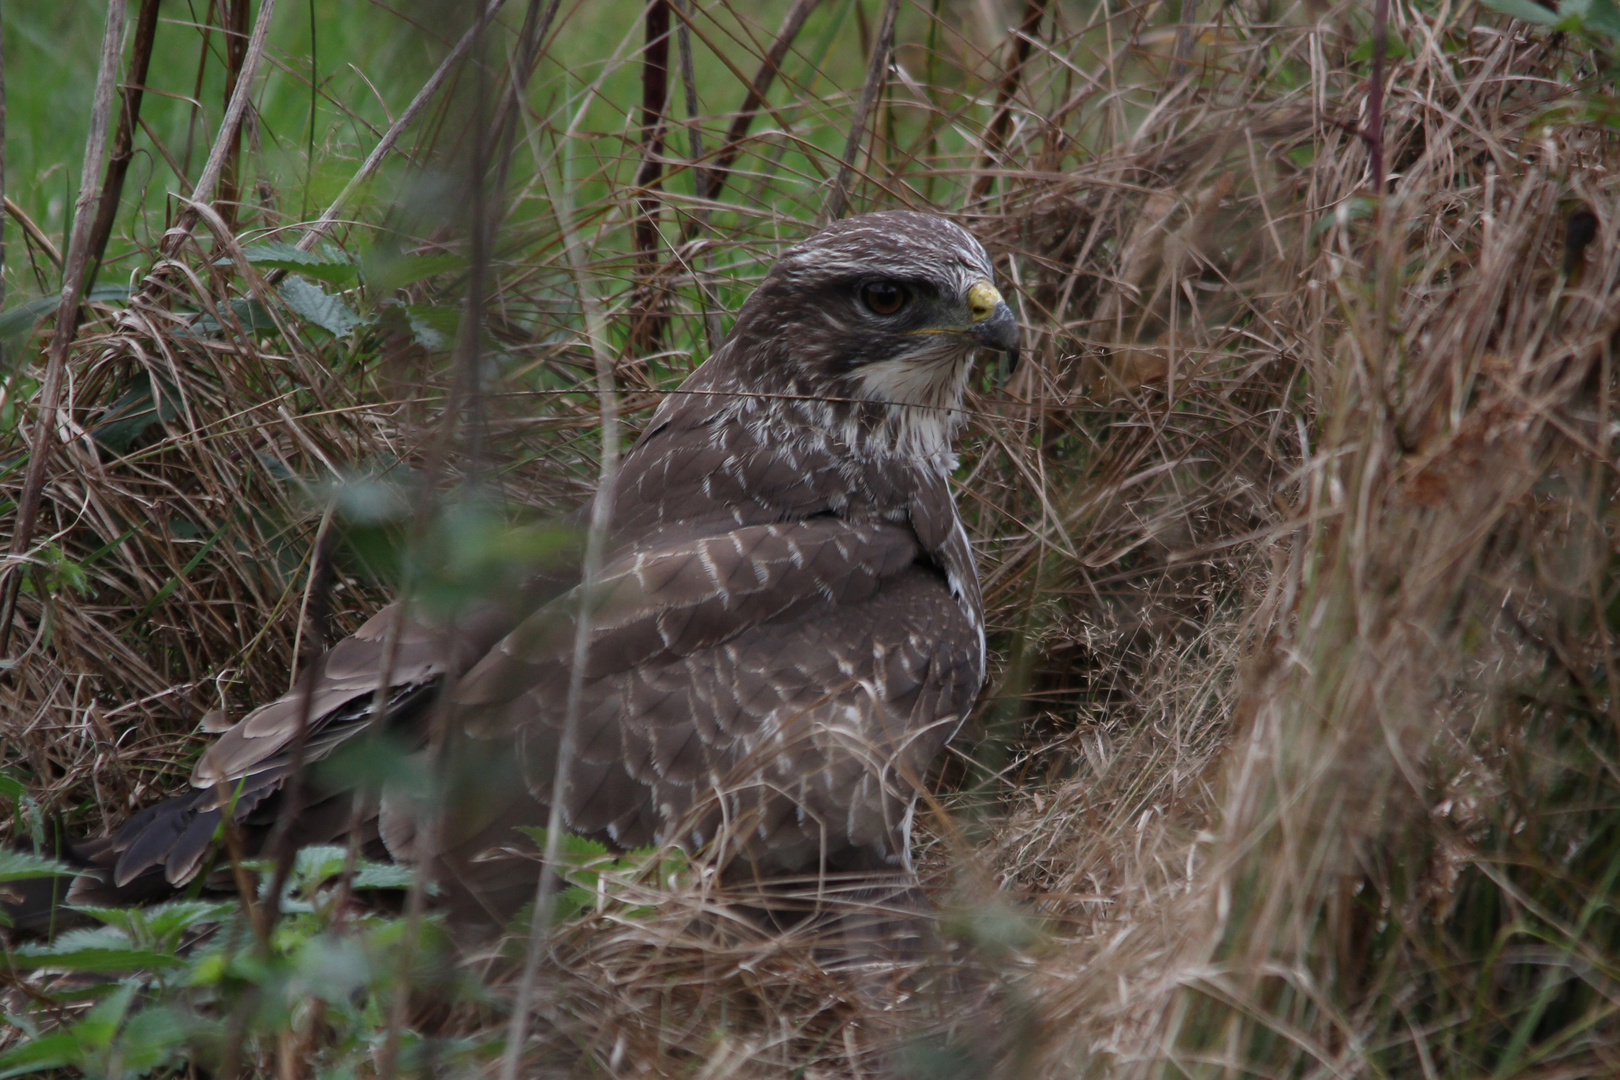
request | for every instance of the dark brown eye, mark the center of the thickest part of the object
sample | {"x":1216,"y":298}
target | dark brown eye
{"x":884,"y":297}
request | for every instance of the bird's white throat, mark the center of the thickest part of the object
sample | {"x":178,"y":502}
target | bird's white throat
{"x":924,"y":395}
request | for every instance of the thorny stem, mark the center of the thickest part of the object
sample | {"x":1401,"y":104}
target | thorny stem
{"x":78,"y":253}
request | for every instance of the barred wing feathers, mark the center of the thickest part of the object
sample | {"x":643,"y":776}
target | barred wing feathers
{"x":803,"y":673}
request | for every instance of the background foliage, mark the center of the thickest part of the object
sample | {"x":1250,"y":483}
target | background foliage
{"x":1297,"y":526}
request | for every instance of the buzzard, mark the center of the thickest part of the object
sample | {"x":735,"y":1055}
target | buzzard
{"x":788,"y":626}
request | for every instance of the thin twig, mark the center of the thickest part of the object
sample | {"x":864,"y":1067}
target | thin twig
{"x":73,"y":275}
{"x":208,"y":179}
{"x":712,"y":331}
{"x":995,"y":135}
{"x":645,"y":325}
{"x":233,"y":27}
{"x":34,"y":232}
{"x":123,"y":151}
{"x":754,"y":99}
{"x":877,"y":69}
{"x":1375,"y":97}
{"x":314,"y":231}
{"x":595,"y":541}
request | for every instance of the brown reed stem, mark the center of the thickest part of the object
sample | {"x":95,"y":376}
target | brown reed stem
{"x":754,"y":99}
{"x":233,"y":22}
{"x":646,"y":327}
{"x":712,"y":331}
{"x":50,"y":394}
{"x":1375,"y":97}
{"x":208,"y":179}
{"x":877,"y":69}
{"x":123,"y":151}
{"x":995,"y":135}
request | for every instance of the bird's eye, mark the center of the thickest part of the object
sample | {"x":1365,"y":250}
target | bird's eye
{"x":884,"y":297}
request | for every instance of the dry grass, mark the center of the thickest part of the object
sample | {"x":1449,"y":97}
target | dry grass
{"x":1297,"y":528}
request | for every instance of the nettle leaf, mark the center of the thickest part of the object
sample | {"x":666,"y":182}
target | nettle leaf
{"x":163,"y":923}
{"x":314,"y":864}
{"x":23,"y":865}
{"x":105,"y":950}
{"x":330,"y":266}
{"x":373,"y":875}
{"x":316,"y":305}
{"x":106,"y":1041}
{"x":52,"y":1051}
{"x":22,"y":318}
{"x":433,"y":327}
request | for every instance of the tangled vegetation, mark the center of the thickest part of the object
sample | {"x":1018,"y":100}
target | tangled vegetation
{"x":1297,"y":526}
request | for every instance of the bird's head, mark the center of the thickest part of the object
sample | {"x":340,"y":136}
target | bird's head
{"x":887,"y":307}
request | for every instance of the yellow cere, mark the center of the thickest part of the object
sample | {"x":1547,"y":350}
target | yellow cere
{"x":982,"y":300}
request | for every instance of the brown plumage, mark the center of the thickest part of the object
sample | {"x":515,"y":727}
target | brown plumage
{"x":789,"y":627}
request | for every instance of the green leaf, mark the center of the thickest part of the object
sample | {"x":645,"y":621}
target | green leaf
{"x":163,"y":923}
{"x":11,"y":788}
{"x":22,"y":865}
{"x":1604,"y":17}
{"x":385,"y":273}
{"x":93,"y":958}
{"x":574,"y":849}
{"x":52,"y":1051}
{"x":21,"y":319}
{"x":433,"y":327}
{"x":135,"y":410}
{"x":314,"y":304}
{"x":149,"y":1038}
{"x":249,"y":314}
{"x":331,"y":266}
{"x":374,"y":875}
{"x":84,"y":1043}
{"x":1524,"y":9}
{"x":1394,"y":49}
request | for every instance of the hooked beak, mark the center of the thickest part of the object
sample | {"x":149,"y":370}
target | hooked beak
{"x":999,"y":331}
{"x":993,"y":324}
